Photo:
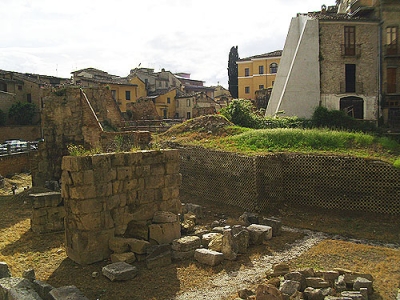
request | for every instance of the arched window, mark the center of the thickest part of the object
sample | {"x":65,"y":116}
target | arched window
{"x":353,"y":106}
{"x":273,"y":68}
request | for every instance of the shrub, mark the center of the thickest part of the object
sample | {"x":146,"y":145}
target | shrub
{"x":396,"y":163}
{"x":22,"y":113}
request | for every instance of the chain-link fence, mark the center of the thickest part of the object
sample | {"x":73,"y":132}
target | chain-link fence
{"x":256,"y":183}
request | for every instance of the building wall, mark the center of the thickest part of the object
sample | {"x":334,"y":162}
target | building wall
{"x":332,"y":64}
{"x":162,"y":104}
{"x":15,"y":163}
{"x":27,"y":133}
{"x":296,"y":90}
{"x":254,"y":80}
{"x":120,"y":94}
{"x":184,"y":106}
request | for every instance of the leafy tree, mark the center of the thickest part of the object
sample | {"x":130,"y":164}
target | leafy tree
{"x":240,"y":112}
{"x":233,"y":72}
{"x":22,"y":113}
{"x":2,"y":118}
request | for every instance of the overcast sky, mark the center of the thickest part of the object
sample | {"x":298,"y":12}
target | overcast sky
{"x":57,"y":37}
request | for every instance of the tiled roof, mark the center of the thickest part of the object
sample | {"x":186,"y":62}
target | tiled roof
{"x":264,"y":55}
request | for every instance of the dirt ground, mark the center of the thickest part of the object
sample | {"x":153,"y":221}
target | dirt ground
{"x":359,"y":242}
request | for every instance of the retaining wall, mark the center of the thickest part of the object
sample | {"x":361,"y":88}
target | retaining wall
{"x":261,"y":182}
{"x":15,"y":163}
{"x":106,"y":195}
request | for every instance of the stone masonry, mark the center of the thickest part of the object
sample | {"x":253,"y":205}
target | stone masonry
{"x":107,"y":195}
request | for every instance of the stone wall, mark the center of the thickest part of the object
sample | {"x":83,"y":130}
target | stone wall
{"x":261,"y":182}
{"x":68,"y":117}
{"x":27,"y":133}
{"x":15,"y":163}
{"x":115,"y":194}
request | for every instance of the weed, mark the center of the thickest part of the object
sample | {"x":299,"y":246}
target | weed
{"x":79,"y":150}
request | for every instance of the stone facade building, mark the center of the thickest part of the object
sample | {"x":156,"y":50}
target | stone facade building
{"x":343,"y":57}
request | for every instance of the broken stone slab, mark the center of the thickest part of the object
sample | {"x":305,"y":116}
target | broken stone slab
{"x":330,"y":276}
{"x":273,"y":222}
{"x":23,"y":294}
{"x":259,"y":233}
{"x":316,"y":282}
{"x":17,"y":287}
{"x":70,"y":292}
{"x":229,"y":247}
{"x":182,"y":255}
{"x":43,"y":289}
{"x":242,"y":240}
{"x":248,"y":218}
{"x":159,"y":256}
{"x":137,"y":230}
{"x":138,"y":246}
{"x":208,"y":257}
{"x":340,"y":284}
{"x":193,"y":208}
{"x":289,"y":287}
{"x":186,"y":243}
{"x":128,"y":257}
{"x":313,"y":294}
{"x":164,"y":233}
{"x":118,"y":245}
{"x":353,"y":295}
{"x":216,"y":243}
{"x":280,"y":269}
{"x":164,"y":217}
{"x":268,"y":292}
{"x":4,"y":270}
{"x":361,"y":282}
{"x":208,"y":237}
{"x":119,"y":271}
{"x":29,"y":275}
{"x":220,"y":229}
{"x":297,"y":276}
{"x":349,"y":278}
{"x":47,"y":199}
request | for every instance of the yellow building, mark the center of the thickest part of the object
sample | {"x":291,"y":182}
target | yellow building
{"x":165,"y":104}
{"x":257,"y":73}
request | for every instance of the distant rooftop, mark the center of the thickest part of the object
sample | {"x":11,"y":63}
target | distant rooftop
{"x":264,"y":55}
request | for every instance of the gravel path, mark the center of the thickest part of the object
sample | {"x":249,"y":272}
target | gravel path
{"x":224,"y":285}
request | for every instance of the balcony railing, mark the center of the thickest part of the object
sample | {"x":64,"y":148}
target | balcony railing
{"x":351,"y":50}
{"x":391,"y":50}
{"x":356,"y":88}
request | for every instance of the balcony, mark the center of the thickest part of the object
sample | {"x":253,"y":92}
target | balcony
{"x":351,"y":50}
{"x":391,"y":51}
{"x":355,"y":88}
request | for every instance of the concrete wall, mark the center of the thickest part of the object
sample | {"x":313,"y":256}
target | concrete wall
{"x":277,"y":180}
{"x":27,"y":133}
{"x":105,"y":195}
{"x":296,"y":90}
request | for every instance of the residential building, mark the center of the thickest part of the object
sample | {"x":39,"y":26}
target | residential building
{"x":257,"y":73}
{"x":222,"y":96}
{"x":343,"y":57}
{"x":193,"y":105}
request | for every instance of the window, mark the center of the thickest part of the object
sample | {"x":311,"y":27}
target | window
{"x":273,"y":68}
{"x":247,"y":90}
{"x":19,"y":87}
{"x":246,"y":72}
{"x":114,"y":94}
{"x":128,"y":95}
{"x":168,"y":100}
{"x":177,"y":103}
{"x":188,"y":102}
{"x":261,"y":87}
{"x":349,"y":41}
{"x":188,"y":115}
{"x":391,"y":40}
{"x":260,"y":69}
{"x":391,"y":80}
{"x":3,"y":87}
{"x":165,"y":114}
{"x":29,"y":98}
{"x":350,"y":78}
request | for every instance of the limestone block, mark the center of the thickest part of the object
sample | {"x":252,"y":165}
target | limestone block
{"x":170,"y":193}
{"x":361,"y":282}
{"x":138,"y":230}
{"x":280,"y":269}
{"x":17,"y":288}
{"x":216,"y":243}
{"x":42,"y":288}
{"x":208,"y":237}
{"x":349,"y":278}
{"x":29,"y":275}
{"x":86,"y":247}
{"x":340,"y":284}
{"x":49,"y":199}
{"x":118,"y":245}
{"x":249,"y":218}
{"x":275,"y":223}
{"x":154,"y":182}
{"x":159,"y":256}
{"x":353,"y":295}
{"x":157,"y":169}
{"x":229,"y":248}
{"x":101,"y":162}
{"x":164,"y":217}
{"x":104,"y":189}
{"x":23,"y":293}
{"x":172,"y":205}
{"x":313,"y":294}
{"x":144,"y":212}
{"x":119,"y":271}
{"x":330,"y":276}
{"x":88,"y":222}
{"x":164,"y":233}
{"x":242,"y":240}
{"x":138,"y":246}
{"x":179,"y":255}
{"x":118,"y":160}
{"x":67,"y":292}
{"x":172,"y":168}
{"x":173,"y":180}
{"x":149,"y":196}
{"x":142,"y":171}
{"x":85,"y":206}
{"x":259,"y":233}
{"x":4,"y":270}
{"x":186,"y":243}
{"x":88,"y":177}
{"x":131,"y":185}
{"x":208,"y":257}
{"x":128,"y":257}
{"x":296,"y":276}
{"x":194,"y":208}
{"x":268,"y":292}
{"x":289,"y":287}
{"x":316,"y":282}
{"x":82,"y":192}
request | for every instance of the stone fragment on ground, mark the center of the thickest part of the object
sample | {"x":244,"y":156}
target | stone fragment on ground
{"x":4,"y":270}
{"x":208,"y":257}
{"x":67,"y":292}
{"x":268,"y":292}
{"x":128,"y":257}
{"x":273,"y":222}
{"x":119,"y":271}
{"x":229,"y":248}
{"x":159,"y":256}
{"x":259,"y":233}
{"x":164,"y":233}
